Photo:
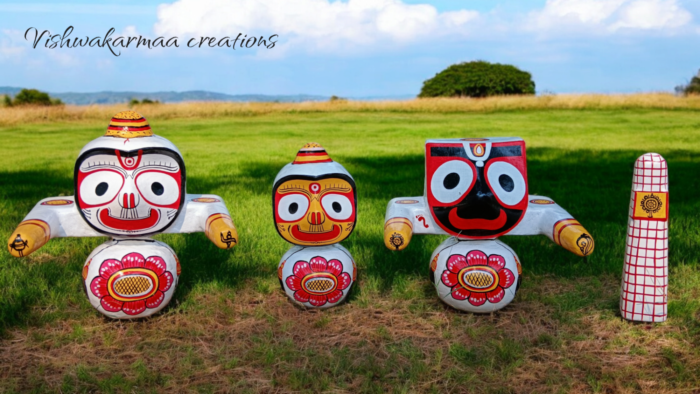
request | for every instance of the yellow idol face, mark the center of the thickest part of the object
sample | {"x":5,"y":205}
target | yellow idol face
{"x":315,"y":212}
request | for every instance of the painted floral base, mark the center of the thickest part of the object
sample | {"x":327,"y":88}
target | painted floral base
{"x":475,"y":276}
{"x":317,"y":277}
{"x":127,"y":279}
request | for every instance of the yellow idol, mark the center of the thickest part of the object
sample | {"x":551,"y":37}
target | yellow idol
{"x":315,"y":212}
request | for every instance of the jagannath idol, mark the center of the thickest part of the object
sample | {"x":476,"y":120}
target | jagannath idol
{"x":314,"y":207}
{"x":129,"y":185}
{"x":476,"y":191}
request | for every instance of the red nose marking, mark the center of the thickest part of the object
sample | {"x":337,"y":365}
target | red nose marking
{"x":315,"y":218}
{"x":128,"y":200}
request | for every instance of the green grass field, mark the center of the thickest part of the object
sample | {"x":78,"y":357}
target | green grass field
{"x":229,"y":327}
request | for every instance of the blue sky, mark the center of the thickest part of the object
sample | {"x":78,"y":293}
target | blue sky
{"x":356,"y":48}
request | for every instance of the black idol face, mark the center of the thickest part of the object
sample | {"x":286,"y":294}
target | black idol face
{"x":476,"y":188}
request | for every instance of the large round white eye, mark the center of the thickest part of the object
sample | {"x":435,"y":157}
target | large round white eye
{"x":100,"y":187}
{"x":292,"y":207}
{"x":338,"y":207}
{"x":158,"y":188}
{"x":507,"y":182}
{"x":451,"y":181}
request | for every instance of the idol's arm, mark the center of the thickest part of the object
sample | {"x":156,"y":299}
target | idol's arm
{"x":406,"y":216}
{"x":206,"y":213}
{"x":544,"y":216}
{"x":52,"y":217}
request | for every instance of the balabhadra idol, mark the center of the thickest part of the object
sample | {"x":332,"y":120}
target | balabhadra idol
{"x":476,"y":191}
{"x":314,"y":207}
{"x":129,"y":185}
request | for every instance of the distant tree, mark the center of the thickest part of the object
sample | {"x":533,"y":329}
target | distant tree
{"x":478,"y":79}
{"x":693,"y":87}
{"x":33,"y":97}
{"x":335,"y":98}
{"x":133,"y":101}
{"x":7,"y":101}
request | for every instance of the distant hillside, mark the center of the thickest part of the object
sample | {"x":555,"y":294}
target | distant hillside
{"x":167,"y":97}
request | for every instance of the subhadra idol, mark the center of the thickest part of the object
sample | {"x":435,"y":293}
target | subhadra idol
{"x":476,"y":191}
{"x":129,"y":185}
{"x":314,"y":207}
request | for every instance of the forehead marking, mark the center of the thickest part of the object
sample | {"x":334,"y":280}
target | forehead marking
{"x":477,"y":152}
{"x":129,"y":163}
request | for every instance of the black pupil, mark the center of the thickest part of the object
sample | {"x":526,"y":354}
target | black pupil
{"x":293,"y":208}
{"x":157,"y":189}
{"x":451,"y":181}
{"x":506,"y":183}
{"x":101,"y":189}
{"x":336,"y":206}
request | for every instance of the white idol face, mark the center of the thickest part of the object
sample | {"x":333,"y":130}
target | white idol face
{"x":130,"y":193}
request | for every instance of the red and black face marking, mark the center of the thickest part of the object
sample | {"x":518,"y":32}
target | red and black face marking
{"x":315,"y":210}
{"x":474,"y":198}
{"x":130,"y":193}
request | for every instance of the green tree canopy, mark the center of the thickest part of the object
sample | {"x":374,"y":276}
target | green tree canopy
{"x":693,"y":87}
{"x":478,"y":79}
{"x":34,"y":97}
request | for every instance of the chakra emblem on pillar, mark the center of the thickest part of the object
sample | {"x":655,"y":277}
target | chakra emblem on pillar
{"x":651,"y":204}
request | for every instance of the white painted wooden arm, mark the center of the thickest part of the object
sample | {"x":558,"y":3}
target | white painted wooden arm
{"x":546,"y":217}
{"x":52,"y":217}
{"x":406,"y":216}
{"x":206,"y":213}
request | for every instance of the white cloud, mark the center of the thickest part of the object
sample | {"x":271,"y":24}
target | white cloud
{"x":323,"y":23}
{"x":652,"y":14}
{"x":608,"y":16}
{"x":10,"y":51}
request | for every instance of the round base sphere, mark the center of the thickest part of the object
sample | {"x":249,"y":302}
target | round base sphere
{"x":475,"y":276}
{"x":128,"y":279}
{"x":317,"y":276}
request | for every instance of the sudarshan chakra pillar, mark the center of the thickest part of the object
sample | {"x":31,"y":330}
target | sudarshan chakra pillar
{"x":314,"y":208}
{"x":645,"y":276}
{"x":129,"y":186}
{"x":476,"y":190}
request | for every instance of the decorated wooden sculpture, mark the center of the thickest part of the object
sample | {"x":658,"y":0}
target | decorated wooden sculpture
{"x":475,"y":191}
{"x":314,"y":207}
{"x":129,"y":185}
{"x":645,"y":276}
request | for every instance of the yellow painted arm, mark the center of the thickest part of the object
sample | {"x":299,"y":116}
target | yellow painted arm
{"x":572,"y":236}
{"x":221,"y":231}
{"x":397,"y":233}
{"x":29,"y":236}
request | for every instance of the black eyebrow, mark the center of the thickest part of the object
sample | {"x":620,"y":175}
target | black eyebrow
{"x":98,"y":164}
{"x":458,"y":151}
{"x":453,"y":151}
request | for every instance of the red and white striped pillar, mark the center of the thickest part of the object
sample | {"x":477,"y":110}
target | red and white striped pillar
{"x":645,"y":275}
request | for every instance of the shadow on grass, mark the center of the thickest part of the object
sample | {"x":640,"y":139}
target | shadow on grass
{"x":593,"y":186}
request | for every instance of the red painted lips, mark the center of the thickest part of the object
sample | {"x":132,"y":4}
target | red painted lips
{"x":481,"y":224}
{"x":129,"y":224}
{"x":315,"y":237}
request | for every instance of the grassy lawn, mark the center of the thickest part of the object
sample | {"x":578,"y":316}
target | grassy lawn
{"x":229,"y":328}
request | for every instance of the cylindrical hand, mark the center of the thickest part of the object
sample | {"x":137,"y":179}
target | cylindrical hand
{"x":397,"y":233}
{"x":29,"y":236}
{"x":221,"y":231}
{"x":571,"y":235}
